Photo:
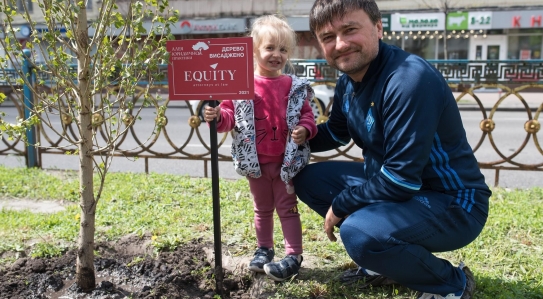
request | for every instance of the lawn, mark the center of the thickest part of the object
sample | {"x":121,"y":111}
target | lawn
{"x":506,"y":259}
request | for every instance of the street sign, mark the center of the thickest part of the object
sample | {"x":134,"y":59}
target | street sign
{"x":211,"y":69}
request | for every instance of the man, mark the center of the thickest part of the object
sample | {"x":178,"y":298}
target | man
{"x":419,"y":189}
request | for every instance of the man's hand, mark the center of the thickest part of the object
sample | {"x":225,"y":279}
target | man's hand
{"x":329,"y":224}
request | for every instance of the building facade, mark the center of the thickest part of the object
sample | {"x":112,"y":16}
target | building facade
{"x":474,"y":35}
{"x":433,"y":29}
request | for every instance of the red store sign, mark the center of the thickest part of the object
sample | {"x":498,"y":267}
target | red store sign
{"x":534,"y":21}
{"x":211,"y":69}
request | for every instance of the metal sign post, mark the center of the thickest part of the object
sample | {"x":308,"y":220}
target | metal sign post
{"x":212,"y":69}
{"x":216,"y":202}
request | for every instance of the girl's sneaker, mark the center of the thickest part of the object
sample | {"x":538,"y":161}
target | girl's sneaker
{"x":261,"y":257}
{"x":284,"y":269}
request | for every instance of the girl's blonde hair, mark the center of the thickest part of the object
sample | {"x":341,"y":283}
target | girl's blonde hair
{"x":276,"y":27}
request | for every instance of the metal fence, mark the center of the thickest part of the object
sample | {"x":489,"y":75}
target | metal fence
{"x":517,"y":85}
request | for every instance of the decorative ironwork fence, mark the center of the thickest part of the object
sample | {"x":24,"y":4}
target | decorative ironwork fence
{"x":515,"y":85}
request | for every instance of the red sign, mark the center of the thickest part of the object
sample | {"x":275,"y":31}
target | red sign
{"x":211,"y":69}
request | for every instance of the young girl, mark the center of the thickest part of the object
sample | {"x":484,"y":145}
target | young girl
{"x":270,"y":143}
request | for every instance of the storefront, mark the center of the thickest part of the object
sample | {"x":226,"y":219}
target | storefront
{"x":473,"y":35}
{"x":424,"y":34}
{"x":418,"y":33}
{"x":308,"y":46}
{"x":212,"y":28}
{"x":524,"y":31}
{"x":476,"y":35}
{"x":472,"y":30}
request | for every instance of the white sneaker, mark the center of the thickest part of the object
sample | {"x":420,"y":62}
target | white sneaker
{"x":466,"y":293}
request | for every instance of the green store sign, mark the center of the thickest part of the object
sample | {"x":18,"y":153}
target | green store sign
{"x":418,"y":22}
{"x":385,"y":19}
{"x":469,"y":20}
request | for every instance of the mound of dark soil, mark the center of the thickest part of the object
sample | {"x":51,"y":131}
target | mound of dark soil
{"x":125,"y":269}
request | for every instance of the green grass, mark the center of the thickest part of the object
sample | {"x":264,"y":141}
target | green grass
{"x":507,"y":258}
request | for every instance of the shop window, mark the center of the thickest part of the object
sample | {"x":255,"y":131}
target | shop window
{"x":457,"y":48}
{"x":493,"y":52}
{"x":21,"y":6}
{"x":393,"y":41}
{"x":524,"y":47}
{"x":424,"y":48}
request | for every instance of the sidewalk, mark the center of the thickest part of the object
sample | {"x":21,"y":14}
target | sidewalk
{"x":489,"y":98}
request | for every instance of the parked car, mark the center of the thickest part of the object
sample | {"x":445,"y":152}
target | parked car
{"x":322,"y":102}
{"x":198,"y":107}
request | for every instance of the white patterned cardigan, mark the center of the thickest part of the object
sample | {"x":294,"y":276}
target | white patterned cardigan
{"x":244,"y":147}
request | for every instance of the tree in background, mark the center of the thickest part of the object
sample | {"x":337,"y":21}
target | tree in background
{"x":85,"y":81}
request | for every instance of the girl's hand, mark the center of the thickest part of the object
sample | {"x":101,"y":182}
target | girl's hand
{"x":211,"y":113}
{"x":299,"y":134}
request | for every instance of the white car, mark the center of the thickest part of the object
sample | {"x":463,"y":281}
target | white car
{"x":198,"y":107}
{"x":321,"y":104}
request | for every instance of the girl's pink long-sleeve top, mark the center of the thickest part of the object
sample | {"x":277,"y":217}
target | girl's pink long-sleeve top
{"x":270,"y":106}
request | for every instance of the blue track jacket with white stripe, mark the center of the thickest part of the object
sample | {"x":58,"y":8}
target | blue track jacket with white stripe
{"x":405,"y":118}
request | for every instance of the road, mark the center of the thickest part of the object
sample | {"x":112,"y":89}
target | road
{"x":508,"y":136}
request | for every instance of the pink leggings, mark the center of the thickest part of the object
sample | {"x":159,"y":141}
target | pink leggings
{"x":269,"y":194}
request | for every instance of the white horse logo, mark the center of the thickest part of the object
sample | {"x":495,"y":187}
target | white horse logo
{"x":456,"y":21}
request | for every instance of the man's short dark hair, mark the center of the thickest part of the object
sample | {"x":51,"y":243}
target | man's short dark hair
{"x":325,"y":11}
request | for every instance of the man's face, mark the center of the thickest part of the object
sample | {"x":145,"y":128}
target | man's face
{"x":351,"y":43}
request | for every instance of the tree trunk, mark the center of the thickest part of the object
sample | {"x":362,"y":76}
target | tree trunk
{"x":85,"y":276}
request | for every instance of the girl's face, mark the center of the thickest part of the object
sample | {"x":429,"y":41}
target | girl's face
{"x":270,"y":57}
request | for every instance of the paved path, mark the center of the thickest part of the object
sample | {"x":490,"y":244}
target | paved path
{"x":490,"y":97}
{"x":35,"y":206}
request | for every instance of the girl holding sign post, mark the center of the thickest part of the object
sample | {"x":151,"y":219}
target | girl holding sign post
{"x":269,"y":146}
